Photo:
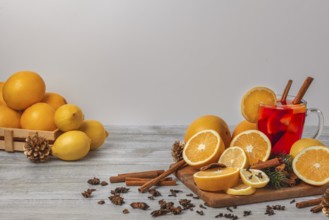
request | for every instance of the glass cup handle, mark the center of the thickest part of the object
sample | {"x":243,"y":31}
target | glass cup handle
{"x":320,"y":120}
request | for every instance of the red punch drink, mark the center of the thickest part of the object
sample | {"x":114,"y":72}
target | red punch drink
{"x":283,"y":124}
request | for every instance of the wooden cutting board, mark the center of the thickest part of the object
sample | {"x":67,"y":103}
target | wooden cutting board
{"x":221,"y":199}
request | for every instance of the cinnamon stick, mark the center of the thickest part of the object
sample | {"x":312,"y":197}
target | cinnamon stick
{"x":154,"y":181}
{"x":266,"y":164}
{"x":121,"y":178}
{"x":142,"y":182}
{"x":302,"y":90}
{"x":308,"y":203}
{"x":143,"y":179}
{"x":316,"y":209}
{"x":285,"y":92}
{"x":141,"y":173}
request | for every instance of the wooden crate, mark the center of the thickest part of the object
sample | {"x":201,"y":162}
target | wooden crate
{"x":13,"y":139}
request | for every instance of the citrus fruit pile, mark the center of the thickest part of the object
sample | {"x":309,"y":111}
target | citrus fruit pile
{"x":25,"y":103}
{"x":208,"y":140}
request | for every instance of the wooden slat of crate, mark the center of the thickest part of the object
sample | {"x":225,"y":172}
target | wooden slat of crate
{"x":13,"y":139}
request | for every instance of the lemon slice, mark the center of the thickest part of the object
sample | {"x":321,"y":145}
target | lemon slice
{"x":312,"y":165}
{"x":241,"y":190}
{"x":234,"y":157}
{"x":253,"y":98}
{"x":203,"y":148}
{"x":254,"y":178}
{"x":217,"y":179}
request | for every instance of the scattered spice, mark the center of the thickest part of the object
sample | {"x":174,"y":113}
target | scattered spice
{"x":116,"y":199}
{"x":292,"y":201}
{"x":101,"y":202}
{"x":87,"y":193}
{"x":279,"y":207}
{"x":186,"y":203}
{"x":247,"y":213}
{"x":235,"y":207}
{"x":125,"y":211}
{"x":250,"y":177}
{"x":154,"y":192}
{"x":229,"y":209}
{"x":200,"y":212}
{"x":120,"y":189}
{"x":213,"y":165}
{"x":94,"y":181}
{"x":190,"y":195}
{"x":269,"y":211}
{"x":219,"y":215}
{"x":166,"y":205}
{"x":150,"y":198}
{"x":231,"y":216}
{"x":104,"y":183}
{"x":160,"y":212}
{"x":176,"y":210}
{"x":196,"y":197}
{"x":202,"y":206}
{"x":139,"y":205}
{"x":248,"y":169}
{"x":173,"y":192}
{"x":259,"y":175}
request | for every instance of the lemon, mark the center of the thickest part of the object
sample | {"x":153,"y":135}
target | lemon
{"x":234,"y":157}
{"x":68,"y":117}
{"x":71,"y":145}
{"x":254,"y":178}
{"x":241,"y":190}
{"x":303,"y":143}
{"x":95,"y":131}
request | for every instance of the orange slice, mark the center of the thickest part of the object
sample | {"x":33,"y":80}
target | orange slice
{"x":253,"y":98}
{"x":254,"y":178}
{"x":203,"y":148}
{"x":241,"y":190}
{"x":255,"y":144}
{"x":217,"y":179}
{"x":312,"y":165}
{"x":234,"y":157}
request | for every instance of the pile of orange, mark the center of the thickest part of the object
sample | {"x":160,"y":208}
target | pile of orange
{"x":25,"y":104}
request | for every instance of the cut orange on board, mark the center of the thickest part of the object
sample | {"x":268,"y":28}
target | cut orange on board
{"x":253,"y":98}
{"x":254,"y":178}
{"x":217,"y":179}
{"x":203,"y":148}
{"x":241,"y":190}
{"x":234,"y":157}
{"x":312,"y":165}
{"x":255,"y":144}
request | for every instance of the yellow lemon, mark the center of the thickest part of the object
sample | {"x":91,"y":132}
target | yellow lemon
{"x":303,"y":143}
{"x":68,"y":117}
{"x":207,"y":122}
{"x":23,"y":89}
{"x":95,"y":131}
{"x":39,"y":116}
{"x":54,"y":100}
{"x":254,"y":178}
{"x":241,"y":190}
{"x":9,"y":118}
{"x":71,"y":145}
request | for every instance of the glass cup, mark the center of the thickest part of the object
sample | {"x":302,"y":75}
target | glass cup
{"x":284,"y":124}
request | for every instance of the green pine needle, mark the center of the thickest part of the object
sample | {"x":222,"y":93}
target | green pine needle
{"x":277,"y":178}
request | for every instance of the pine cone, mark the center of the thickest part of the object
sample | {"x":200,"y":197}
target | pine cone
{"x":325,"y":203}
{"x":37,"y":148}
{"x":177,"y":150}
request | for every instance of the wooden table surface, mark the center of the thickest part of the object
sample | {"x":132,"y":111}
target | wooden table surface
{"x":52,"y":190}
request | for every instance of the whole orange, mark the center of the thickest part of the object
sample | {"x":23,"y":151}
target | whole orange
{"x":23,"y":89}
{"x":54,"y":100}
{"x":2,"y":102}
{"x":244,"y":126}
{"x":209,"y":122}
{"x":40,"y":116}
{"x":9,"y":118}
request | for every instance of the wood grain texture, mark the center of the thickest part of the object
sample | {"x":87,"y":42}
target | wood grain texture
{"x":221,"y":199}
{"x":52,"y":190}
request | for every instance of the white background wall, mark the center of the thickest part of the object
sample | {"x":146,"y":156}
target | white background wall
{"x":144,"y":62}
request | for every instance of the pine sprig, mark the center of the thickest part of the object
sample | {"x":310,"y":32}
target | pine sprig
{"x":277,"y":178}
